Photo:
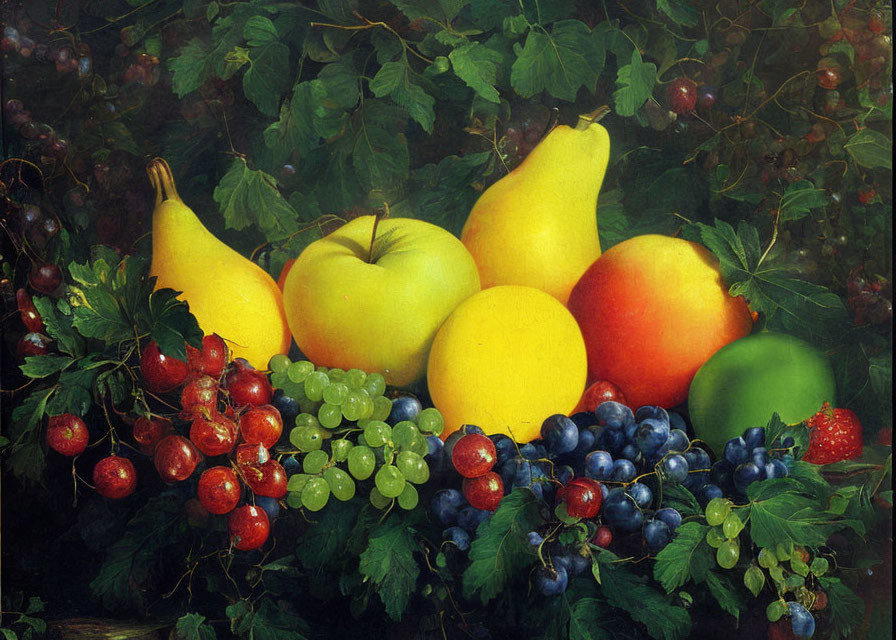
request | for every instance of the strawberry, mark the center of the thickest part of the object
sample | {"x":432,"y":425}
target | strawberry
{"x":834,"y":435}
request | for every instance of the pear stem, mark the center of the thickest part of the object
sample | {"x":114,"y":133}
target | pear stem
{"x":162,"y":181}
{"x":587,"y":119}
{"x":382,"y":213}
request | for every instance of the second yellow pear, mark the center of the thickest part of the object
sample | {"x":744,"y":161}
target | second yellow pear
{"x":537,"y":226}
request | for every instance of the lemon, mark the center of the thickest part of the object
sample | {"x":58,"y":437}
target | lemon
{"x":505,"y":359}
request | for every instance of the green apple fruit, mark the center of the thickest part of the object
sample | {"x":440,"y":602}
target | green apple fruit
{"x":748,"y":380}
{"x":377,"y":308}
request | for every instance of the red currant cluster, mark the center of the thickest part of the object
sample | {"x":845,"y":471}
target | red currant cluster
{"x":521,"y":137}
{"x":871,"y":300}
{"x":66,"y":58}
{"x":40,"y":137}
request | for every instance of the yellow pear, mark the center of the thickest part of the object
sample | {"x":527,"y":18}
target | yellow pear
{"x":227,"y":293}
{"x":537,"y":226}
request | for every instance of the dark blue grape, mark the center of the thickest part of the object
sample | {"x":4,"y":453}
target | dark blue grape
{"x":458,"y":536}
{"x":586,"y":443}
{"x":270,"y":506}
{"x":534,"y":538}
{"x":404,"y":408}
{"x":788,"y":442}
{"x":611,"y":440}
{"x":291,"y":465}
{"x":678,"y":440}
{"x":631,"y":452}
{"x":641,"y":494}
{"x":623,"y":470}
{"x":514,"y":470}
{"x":435,"y":447}
{"x":560,"y":434}
{"x":622,"y":513}
{"x":469,"y":517}
{"x":695,"y":479}
{"x":583,"y":419}
{"x":698,"y":459}
{"x":563,"y":473}
{"x":613,"y":414}
{"x":754,"y":437}
{"x":775,"y":469}
{"x":657,"y":535}
{"x":736,"y":451}
{"x":746,"y":474}
{"x":677,"y":422}
{"x":551,"y":581}
{"x":287,"y":406}
{"x":672,"y":517}
{"x":722,"y":474}
{"x":801,"y":621}
{"x":629,"y":431}
{"x":788,"y":459}
{"x":505,"y":447}
{"x":529,"y":451}
{"x":578,"y":563}
{"x":599,"y":465}
{"x":445,"y":505}
{"x":651,"y":412}
{"x":674,"y":468}
{"x":707,"y":492}
{"x":650,"y":435}
{"x":759,"y":456}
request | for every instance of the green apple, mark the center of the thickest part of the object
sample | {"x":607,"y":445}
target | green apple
{"x":377,"y":310}
{"x":748,"y":380}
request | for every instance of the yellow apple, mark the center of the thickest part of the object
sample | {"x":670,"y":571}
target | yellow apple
{"x":379,"y":310}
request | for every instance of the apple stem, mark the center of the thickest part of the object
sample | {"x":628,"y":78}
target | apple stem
{"x":382,"y":213}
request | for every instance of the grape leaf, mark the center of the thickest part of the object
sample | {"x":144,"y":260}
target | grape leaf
{"x":267,"y":77}
{"x":73,"y":394}
{"x":634,"y":82}
{"x":559,"y":62}
{"x":26,"y":457}
{"x":724,"y":592}
{"x":323,"y":544}
{"x":295,"y":130}
{"x":190,"y":68}
{"x":44,"y":366}
{"x":268,"y":622}
{"x":192,"y":626}
{"x":799,"y":198}
{"x":396,"y":80}
{"x":844,"y":606}
{"x":389,"y":563}
{"x":380,"y":155}
{"x":173,"y":326}
{"x":500,"y":550}
{"x":440,"y":10}
{"x":477,"y":65}
{"x":250,"y":197}
{"x":59,"y":325}
{"x":633,"y":594}
{"x":870,"y":149}
{"x":686,"y":557}
{"x":787,"y":516}
{"x":680,"y":12}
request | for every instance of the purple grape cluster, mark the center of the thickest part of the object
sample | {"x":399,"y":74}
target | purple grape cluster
{"x":745,"y":460}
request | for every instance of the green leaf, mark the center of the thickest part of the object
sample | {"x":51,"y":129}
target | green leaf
{"x":440,"y":10}
{"x":500,"y":551}
{"x":191,"y":67}
{"x":789,"y":517}
{"x":9,"y":634}
{"x":260,"y":31}
{"x":26,"y":457}
{"x":588,"y":619}
{"x":100,"y":315}
{"x":59,"y":325}
{"x":44,"y":366}
{"x":74,"y":393}
{"x":720,"y":587}
{"x":268,"y":622}
{"x":477,"y":65}
{"x":634,"y":83}
{"x":380,"y":156}
{"x":396,"y":80}
{"x":754,"y":579}
{"x":173,"y":326}
{"x":679,"y":11}
{"x":389,"y":563}
{"x":322,"y":546}
{"x":117,"y":136}
{"x":192,"y":627}
{"x":559,"y":62}
{"x":686,"y":557}
{"x":634,"y":595}
{"x":267,"y":78}
{"x":870,"y":149}
{"x":799,"y":198}
{"x":845,"y":608}
{"x":249,"y":197}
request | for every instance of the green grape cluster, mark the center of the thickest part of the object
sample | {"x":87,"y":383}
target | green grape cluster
{"x":342,"y":437}
{"x":724,"y":533}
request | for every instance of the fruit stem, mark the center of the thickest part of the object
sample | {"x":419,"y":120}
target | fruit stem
{"x":587,"y":119}
{"x":162,"y":181}
{"x":382,"y":213}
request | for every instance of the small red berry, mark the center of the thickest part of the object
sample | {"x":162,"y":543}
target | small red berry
{"x":215,"y":434}
{"x":115,"y":477}
{"x":249,"y":527}
{"x":682,"y":95}
{"x":219,"y":490}
{"x":28,"y":312}
{"x":199,"y":397}
{"x":474,"y":455}
{"x":247,"y":386}
{"x":599,"y":392}
{"x":484,"y":492}
{"x":161,"y":373}
{"x":583,"y":497}
{"x":261,"y":425}
{"x":175,"y":458}
{"x":212,"y":359}
{"x":251,"y":454}
{"x":885,"y":437}
{"x":148,"y":432}
{"x":834,"y":435}
{"x":780,"y":630}
{"x":867,"y":195}
{"x":67,"y":434}
{"x":603,"y":537}
{"x":821,"y":600}
{"x":268,"y":479}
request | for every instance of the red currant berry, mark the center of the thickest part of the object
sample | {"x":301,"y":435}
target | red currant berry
{"x":261,"y":425}
{"x":484,"y":492}
{"x":599,"y":392}
{"x":67,"y":434}
{"x":45,"y":277}
{"x":251,"y":454}
{"x":219,"y":490}
{"x":821,"y":600}
{"x":28,"y":312}
{"x":867,"y":195}
{"x":603,"y":537}
{"x":474,"y":455}
{"x":583,"y":497}
{"x":32,"y":344}
{"x":115,"y":477}
{"x":214,"y":435}
{"x":249,"y":527}
{"x":212,"y":359}
{"x":199,"y":397}
{"x":268,"y":479}
{"x":148,"y":432}
{"x":247,"y":386}
{"x":682,"y":95}
{"x":175,"y":458}
{"x":161,"y":373}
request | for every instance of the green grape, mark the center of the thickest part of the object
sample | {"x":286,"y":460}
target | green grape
{"x":366,"y":404}
{"x":408,"y":497}
{"x":375,"y":385}
{"x":307,"y":438}
{"x":430,"y":421}
{"x":335,"y":392}
{"x":307,"y":420}
{"x":292,"y":389}
{"x":732,"y":526}
{"x":361,"y":439}
{"x":767,"y":558}
{"x":352,"y":406}
{"x":279,"y":380}
{"x":315,"y":494}
{"x":298,"y":371}
{"x":315,"y":461}
{"x":403,"y":433}
{"x":377,"y":433}
{"x":340,"y":449}
{"x":279,"y":363}
{"x":378,"y":500}
{"x":382,"y":407}
{"x":384,"y":453}
{"x":341,"y":484}
{"x":307,"y":405}
{"x":315,"y":384}
{"x":715,"y":537}
{"x":390,"y":481}
{"x":728,"y":553}
{"x":336,"y":375}
{"x":294,"y":500}
{"x":418,"y":445}
{"x":413,"y":467}
{"x":322,"y":369}
{"x":361,"y":462}
{"x":297,"y":482}
{"x":355,"y":378}
{"x":329,"y":415}
{"x":717,"y":510}
{"x":784,"y":550}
